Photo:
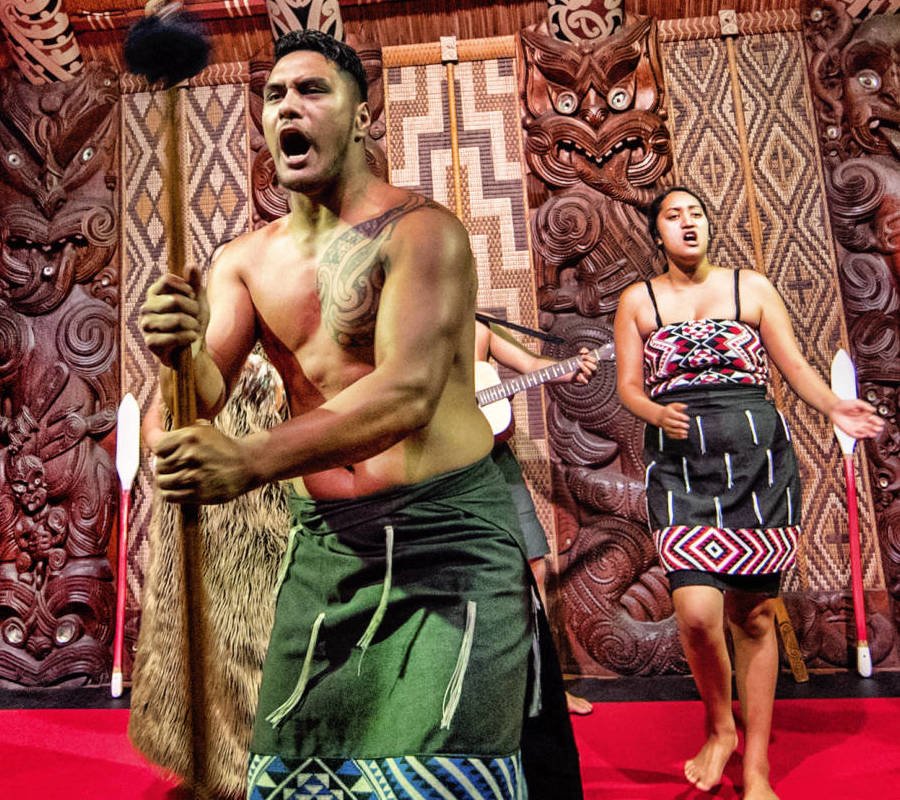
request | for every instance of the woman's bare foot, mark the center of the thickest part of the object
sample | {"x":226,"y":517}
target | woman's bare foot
{"x":757,"y":787}
{"x":578,"y":705}
{"x":705,"y":769}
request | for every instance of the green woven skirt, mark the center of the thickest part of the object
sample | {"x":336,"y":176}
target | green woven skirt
{"x":403,"y":626}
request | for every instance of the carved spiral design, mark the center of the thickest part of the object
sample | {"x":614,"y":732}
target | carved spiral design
{"x":857,"y":189}
{"x":868,"y":285}
{"x":585,"y":24}
{"x":598,"y":398}
{"x":100,"y":226}
{"x":575,"y":444}
{"x":567,"y":225}
{"x":16,"y":342}
{"x":609,"y":492}
{"x":86,"y":338}
{"x":619,"y":553}
{"x":606,"y":561}
{"x":269,"y":200}
{"x":648,"y":598}
{"x":91,"y":511}
{"x":876,"y":339}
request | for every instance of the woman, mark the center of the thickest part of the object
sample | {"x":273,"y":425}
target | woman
{"x":723,"y":492}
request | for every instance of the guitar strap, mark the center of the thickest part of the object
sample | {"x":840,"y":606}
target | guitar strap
{"x":546,"y":337}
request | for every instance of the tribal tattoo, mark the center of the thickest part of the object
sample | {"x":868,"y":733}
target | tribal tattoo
{"x":351,"y":275}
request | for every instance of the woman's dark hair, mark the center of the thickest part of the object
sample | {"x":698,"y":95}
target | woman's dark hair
{"x":338,"y":53}
{"x":656,"y":204}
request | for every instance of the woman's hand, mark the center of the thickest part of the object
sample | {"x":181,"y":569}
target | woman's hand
{"x":674,"y":422}
{"x":856,"y":418}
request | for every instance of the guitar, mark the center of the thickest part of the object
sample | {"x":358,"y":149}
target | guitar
{"x":492,"y":392}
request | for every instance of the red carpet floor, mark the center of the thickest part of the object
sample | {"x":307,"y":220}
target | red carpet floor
{"x":847,"y":749}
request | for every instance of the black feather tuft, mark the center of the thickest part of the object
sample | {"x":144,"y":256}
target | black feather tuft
{"x":169,"y":48}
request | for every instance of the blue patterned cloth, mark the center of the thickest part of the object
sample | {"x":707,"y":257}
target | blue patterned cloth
{"x":399,"y":778}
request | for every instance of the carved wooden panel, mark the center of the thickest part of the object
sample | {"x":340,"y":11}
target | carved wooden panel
{"x":584,"y":20}
{"x":853,"y":70}
{"x":596,"y":145}
{"x":58,"y":376}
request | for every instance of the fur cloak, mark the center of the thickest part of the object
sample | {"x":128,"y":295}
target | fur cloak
{"x":243,"y":544}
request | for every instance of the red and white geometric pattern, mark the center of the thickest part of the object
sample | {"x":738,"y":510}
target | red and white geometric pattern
{"x":704,"y":352}
{"x":727,"y":551}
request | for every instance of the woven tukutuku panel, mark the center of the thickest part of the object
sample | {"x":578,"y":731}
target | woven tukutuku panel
{"x":214,"y":152}
{"x":494,"y":213}
{"x":492,"y":202}
{"x":800,"y":263}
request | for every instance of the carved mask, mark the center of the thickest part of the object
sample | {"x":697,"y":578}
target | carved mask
{"x":594,"y":111}
{"x":57,"y":217}
{"x":871,"y":69}
{"x":28,"y":483}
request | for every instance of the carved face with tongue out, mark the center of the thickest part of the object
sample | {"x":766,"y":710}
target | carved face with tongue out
{"x":595,"y":111}
{"x":871,"y":67}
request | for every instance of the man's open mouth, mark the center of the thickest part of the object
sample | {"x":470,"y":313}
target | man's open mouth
{"x":293,"y":143}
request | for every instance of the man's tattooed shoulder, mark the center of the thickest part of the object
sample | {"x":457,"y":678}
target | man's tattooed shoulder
{"x":350,"y":275}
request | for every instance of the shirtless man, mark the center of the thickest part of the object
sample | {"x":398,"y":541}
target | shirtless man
{"x":403,"y":626}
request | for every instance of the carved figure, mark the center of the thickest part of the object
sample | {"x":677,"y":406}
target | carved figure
{"x":41,"y":530}
{"x":54,"y":141}
{"x":594,"y":112}
{"x":597,"y":146}
{"x":855,"y":74}
{"x":58,"y":375}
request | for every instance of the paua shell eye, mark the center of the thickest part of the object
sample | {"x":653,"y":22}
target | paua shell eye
{"x":87,"y":154}
{"x":869,"y":79}
{"x":566,"y":102}
{"x":618,"y":99}
{"x":14,"y":159}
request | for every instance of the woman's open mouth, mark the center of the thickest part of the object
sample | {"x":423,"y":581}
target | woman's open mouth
{"x":690,"y":237}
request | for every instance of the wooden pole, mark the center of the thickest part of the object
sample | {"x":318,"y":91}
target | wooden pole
{"x":185,"y":413}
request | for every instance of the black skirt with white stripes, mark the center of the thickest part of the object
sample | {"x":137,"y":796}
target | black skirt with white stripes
{"x":726,"y":499}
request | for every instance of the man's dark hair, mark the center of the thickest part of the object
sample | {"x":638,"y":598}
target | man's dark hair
{"x":338,"y":53}
{"x":656,"y":205}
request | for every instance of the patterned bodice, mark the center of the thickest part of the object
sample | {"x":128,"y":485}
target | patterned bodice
{"x":704,"y":352}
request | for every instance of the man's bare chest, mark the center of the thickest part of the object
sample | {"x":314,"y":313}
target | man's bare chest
{"x":333,"y":294}
{"x":333,"y":287}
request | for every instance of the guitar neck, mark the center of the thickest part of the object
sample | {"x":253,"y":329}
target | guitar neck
{"x":510,"y":387}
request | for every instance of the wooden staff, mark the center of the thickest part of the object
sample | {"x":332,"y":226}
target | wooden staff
{"x":167,"y":45}
{"x":184,"y":413}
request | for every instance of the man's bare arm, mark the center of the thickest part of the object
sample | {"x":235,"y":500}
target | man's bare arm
{"x":426,"y":302}
{"x":216,"y":323}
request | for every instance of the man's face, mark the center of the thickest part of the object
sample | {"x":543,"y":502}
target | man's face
{"x":311,"y":116}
